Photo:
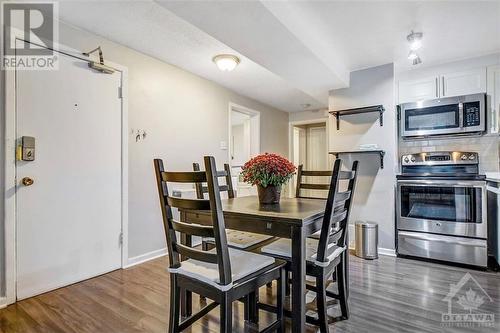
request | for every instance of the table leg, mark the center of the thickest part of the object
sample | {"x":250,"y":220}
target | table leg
{"x":298,"y":280}
{"x":186,"y":296}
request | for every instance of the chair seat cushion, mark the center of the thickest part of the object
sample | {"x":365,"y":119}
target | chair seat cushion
{"x":242,"y":264}
{"x":241,"y":239}
{"x":283,"y":248}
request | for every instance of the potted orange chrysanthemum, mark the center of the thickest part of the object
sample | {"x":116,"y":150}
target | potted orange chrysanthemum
{"x":268,"y":172}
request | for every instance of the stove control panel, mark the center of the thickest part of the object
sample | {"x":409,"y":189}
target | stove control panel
{"x":440,"y":158}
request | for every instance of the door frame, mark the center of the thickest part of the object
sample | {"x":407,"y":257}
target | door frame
{"x":10,"y":218}
{"x":291,"y":125}
{"x":243,"y":109}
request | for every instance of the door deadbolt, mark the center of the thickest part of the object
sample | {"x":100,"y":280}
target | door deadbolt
{"x":26,"y":150}
{"x":27,"y":181}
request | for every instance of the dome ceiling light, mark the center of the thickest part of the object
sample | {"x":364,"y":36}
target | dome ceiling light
{"x":226,"y":62}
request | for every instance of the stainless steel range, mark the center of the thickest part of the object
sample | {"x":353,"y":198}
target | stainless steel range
{"x":441,"y":208}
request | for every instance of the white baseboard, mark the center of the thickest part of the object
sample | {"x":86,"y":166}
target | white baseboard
{"x":3,"y":302}
{"x":386,"y":252}
{"x":146,"y":257}
{"x":140,"y":259}
{"x":381,"y":251}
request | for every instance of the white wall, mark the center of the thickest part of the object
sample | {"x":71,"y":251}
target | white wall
{"x":185,"y":117}
{"x":374,"y":197}
{"x":308,"y":115}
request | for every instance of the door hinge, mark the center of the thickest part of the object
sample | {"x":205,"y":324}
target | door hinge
{"x":120,"y":92}
{"x":120,"y":239}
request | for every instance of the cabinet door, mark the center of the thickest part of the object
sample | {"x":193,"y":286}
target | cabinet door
{"x":463,"y":83}
{"x":493,"y":88}
{"x":418,"y":90}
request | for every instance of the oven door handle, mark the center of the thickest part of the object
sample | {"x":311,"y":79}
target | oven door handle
{"x":442,"y":239}
{"x":437,"y":183}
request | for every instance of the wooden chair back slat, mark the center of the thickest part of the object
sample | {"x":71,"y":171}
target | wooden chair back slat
{"x":342,"y":196}
{"x":193,"y":229}
{"x":338,"y":217}
{"x":222,"y":173}
{"x":184,"y":177}
{"x":314,"y":186}
{"x":347,"y":175}
{"x":195,"y":254}
{"x":222,"y":188}
{"x":213,"y":204}
{"x":193,"y":204}
{"x":312,"y":173}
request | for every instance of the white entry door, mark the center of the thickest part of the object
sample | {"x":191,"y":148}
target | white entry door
{"x":317,"y":158}
{"x":69,"y":220}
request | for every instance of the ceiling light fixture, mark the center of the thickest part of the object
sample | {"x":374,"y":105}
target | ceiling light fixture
{"x":417,"y":61}
{"x":412,"y":55}
{"x":226,"y":62}
{"x":415,"y":40}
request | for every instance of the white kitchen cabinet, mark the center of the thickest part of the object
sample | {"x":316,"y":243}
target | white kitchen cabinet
{"x":467,"y":82}
{"x":493,"y":90}
{"x":463,"y":83}
{"x":418,"y":90}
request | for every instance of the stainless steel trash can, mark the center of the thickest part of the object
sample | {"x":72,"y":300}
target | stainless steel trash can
{"x":366,"y":240}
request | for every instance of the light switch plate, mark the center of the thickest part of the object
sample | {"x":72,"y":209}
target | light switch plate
{"x":223,"y":145}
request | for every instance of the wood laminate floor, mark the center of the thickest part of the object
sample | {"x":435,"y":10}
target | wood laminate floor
{"x":387,"y":295}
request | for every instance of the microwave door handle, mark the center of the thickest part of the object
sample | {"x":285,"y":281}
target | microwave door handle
{"x":461,"y":116}
{"x":437,"y":87}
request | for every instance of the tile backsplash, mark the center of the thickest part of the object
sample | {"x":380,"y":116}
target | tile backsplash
{"x":487,"y":146}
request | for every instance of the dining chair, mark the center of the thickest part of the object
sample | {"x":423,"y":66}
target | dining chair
{"x":329,"y":253}
{"x":237,"y":239}
{"x":222,"y":274}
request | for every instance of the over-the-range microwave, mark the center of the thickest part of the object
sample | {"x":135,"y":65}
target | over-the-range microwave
{"x":445,"y":116}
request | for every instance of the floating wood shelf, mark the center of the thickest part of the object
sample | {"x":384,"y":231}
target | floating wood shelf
{"x":381,"y":153}
{"x":375,"y":108}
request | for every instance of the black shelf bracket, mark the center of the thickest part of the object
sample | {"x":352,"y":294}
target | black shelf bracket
{"x":381,"y":154}
{"x":376,"y":108}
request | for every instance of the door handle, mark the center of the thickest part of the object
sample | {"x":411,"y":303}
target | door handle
{"x":27,"y":181}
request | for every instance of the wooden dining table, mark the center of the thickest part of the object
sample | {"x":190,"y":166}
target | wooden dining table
{"x":293,"y":218}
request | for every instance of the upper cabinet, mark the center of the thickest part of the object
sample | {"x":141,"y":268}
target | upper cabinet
{"x":443,"y":85}
{"x":417,"y":90}
{"x":463,"y":83}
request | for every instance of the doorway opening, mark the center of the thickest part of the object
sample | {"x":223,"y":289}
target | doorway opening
{"x":309,"y":147}
{"x":244,"y":143}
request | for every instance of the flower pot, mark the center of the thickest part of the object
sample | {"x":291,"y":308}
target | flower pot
{"x":269,"y":195}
